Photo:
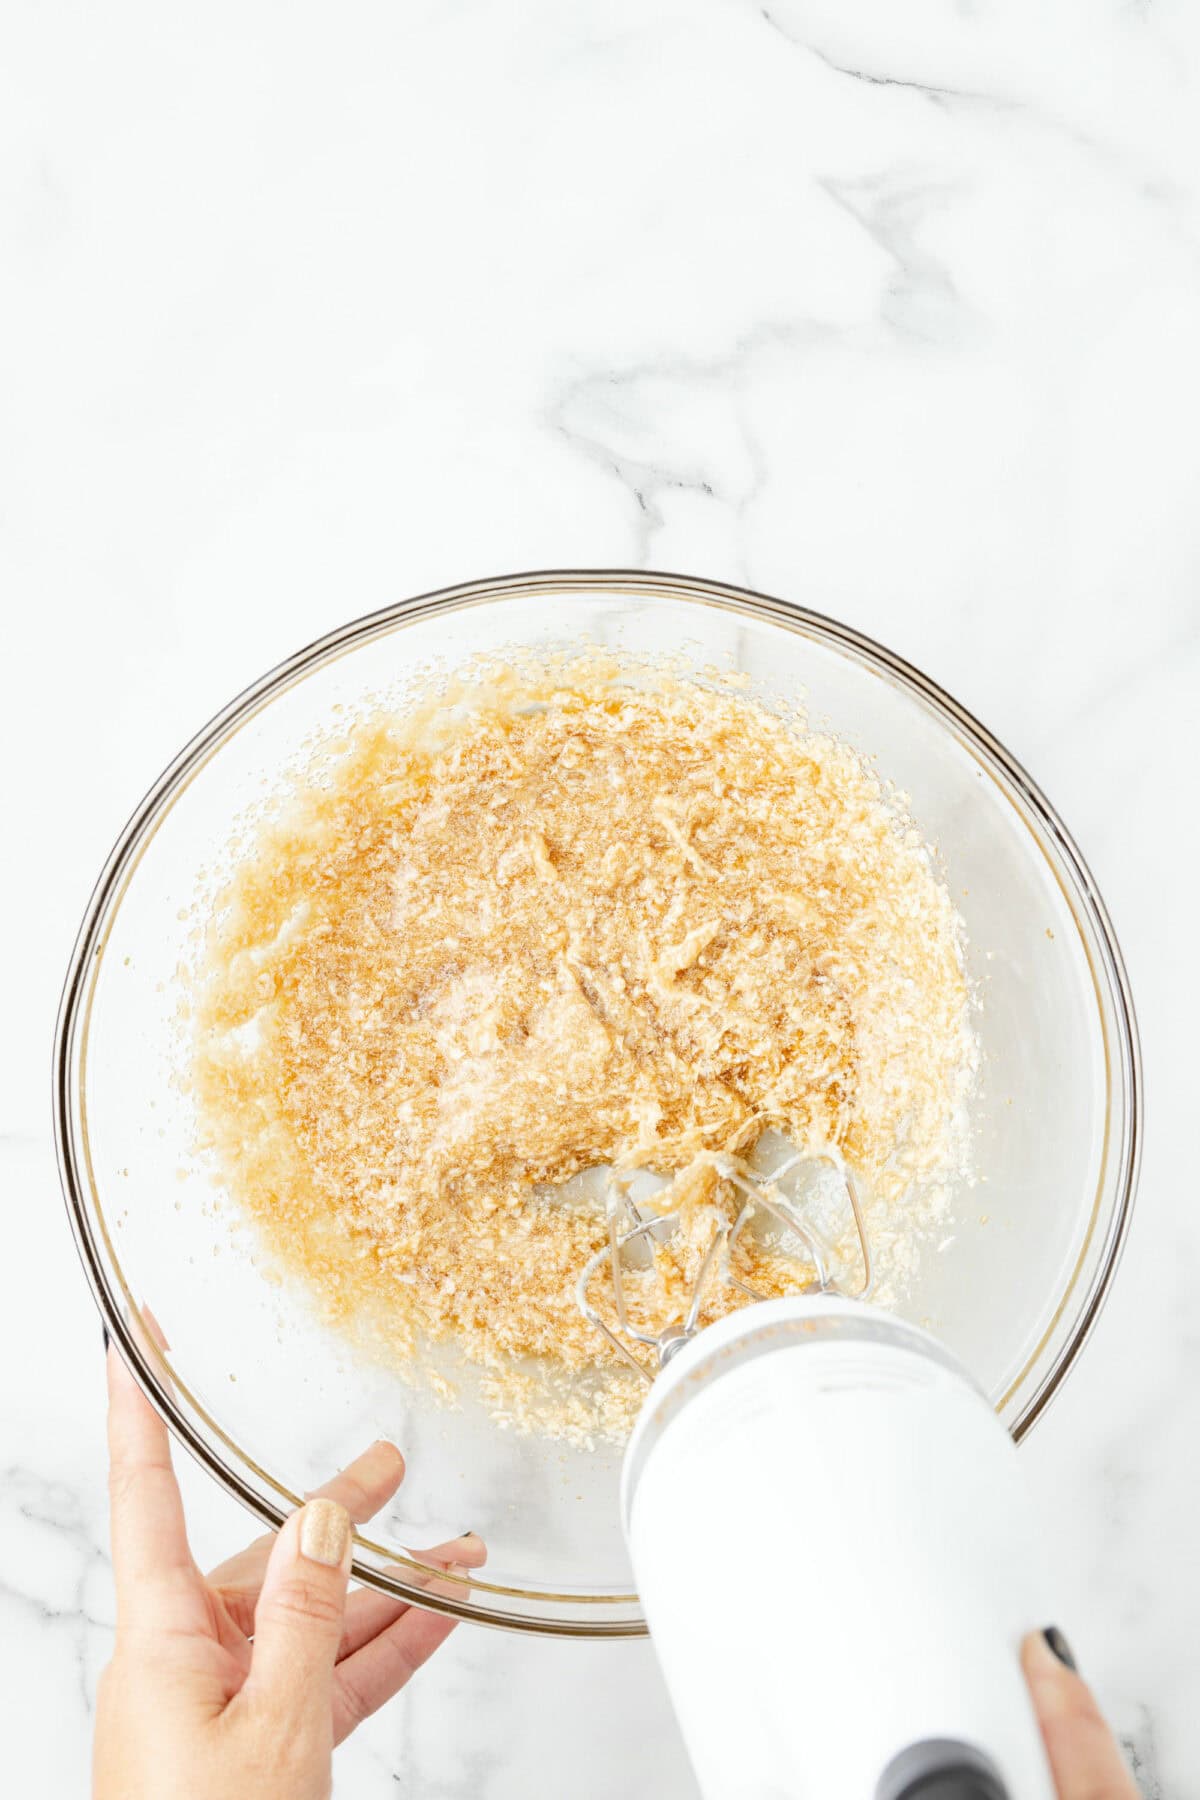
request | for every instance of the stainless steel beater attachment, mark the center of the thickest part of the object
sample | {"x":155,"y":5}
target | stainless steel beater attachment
{"x":633,"y":1233}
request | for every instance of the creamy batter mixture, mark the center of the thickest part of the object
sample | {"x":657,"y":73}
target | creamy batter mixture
{"x":567,"y":916}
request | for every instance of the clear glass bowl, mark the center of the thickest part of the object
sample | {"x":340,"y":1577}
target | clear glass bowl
{"x":271,"y":1402}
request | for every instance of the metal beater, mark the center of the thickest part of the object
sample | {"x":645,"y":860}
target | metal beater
{"x":633,"y":1234}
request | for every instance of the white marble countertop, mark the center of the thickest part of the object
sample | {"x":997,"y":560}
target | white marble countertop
{"x":889,"y":310}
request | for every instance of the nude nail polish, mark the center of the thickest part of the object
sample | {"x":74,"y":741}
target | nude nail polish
{"x":324,"y":1532}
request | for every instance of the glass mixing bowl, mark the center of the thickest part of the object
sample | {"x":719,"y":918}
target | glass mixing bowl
{"x":270,"y":1401}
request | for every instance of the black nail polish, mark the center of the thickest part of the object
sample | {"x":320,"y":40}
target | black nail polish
{"x":1060,"y":1646}
{"x":104,"y":1334}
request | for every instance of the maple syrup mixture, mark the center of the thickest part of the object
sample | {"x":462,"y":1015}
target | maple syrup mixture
{"x":566,"y":916}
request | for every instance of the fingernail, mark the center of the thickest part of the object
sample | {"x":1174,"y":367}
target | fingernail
{"x":104,"y":1334}
{"x":154,"y":1328}
{"x":324,"y":1532}
{"x":1060,"y":1647}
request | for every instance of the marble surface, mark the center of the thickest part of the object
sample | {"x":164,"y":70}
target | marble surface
{"x":892,"y":310}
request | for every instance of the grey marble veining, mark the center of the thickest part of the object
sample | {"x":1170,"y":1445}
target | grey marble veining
{"x":889,"y":310}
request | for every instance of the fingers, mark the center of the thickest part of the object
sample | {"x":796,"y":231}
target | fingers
{"x":366,"y":1680}
{"x":298,"y":1620}
{"x":155,"y":1576}
{"x":1084,"y":1756}
{"x":362,"y":1488}
{"x":364,"y":1485}
{"x":369,"y":1612}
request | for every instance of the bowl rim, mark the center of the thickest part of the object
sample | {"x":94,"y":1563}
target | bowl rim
{"x":69,"y":1053}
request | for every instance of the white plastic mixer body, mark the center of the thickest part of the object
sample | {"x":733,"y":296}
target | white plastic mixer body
{"x":837,"y":1558}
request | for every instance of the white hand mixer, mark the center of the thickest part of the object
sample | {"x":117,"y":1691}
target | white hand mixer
{"x":875,"y":1657}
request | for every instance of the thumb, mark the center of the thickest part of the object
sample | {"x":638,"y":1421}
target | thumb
{"x":1084,"y":1756}
{"x":298,"y":1618}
